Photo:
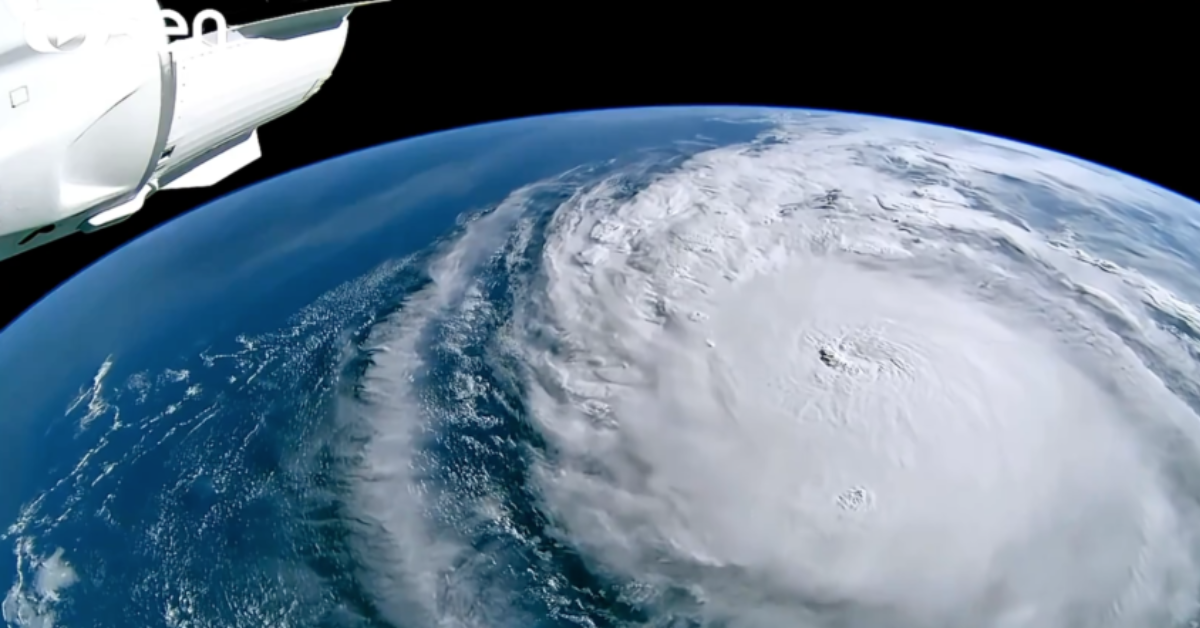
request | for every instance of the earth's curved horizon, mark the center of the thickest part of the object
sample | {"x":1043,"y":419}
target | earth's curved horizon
{"x":713,"y":367}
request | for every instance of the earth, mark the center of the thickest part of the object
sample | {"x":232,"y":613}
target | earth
{"x":683,"y":367}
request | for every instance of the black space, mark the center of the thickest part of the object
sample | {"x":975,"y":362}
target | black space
{"x":411,"y":69}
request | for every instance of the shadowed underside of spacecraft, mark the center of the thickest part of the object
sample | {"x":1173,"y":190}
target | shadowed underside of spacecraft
{"x":88,"y":134}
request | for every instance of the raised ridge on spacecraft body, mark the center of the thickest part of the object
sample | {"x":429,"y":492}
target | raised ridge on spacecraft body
{"x":86,"y":136}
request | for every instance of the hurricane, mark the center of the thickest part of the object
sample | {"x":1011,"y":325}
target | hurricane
{"x":856,"y":372}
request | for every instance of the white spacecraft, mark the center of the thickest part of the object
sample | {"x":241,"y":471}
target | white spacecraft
{"x":88,"y":131}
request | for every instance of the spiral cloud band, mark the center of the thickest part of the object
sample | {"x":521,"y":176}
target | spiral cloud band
{"x":846,"y":376}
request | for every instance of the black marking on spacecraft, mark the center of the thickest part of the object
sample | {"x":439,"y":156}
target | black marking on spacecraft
{"x":46,"y":230}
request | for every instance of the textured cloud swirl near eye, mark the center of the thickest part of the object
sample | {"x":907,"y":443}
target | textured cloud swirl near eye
{"x":798,"y":384}
{"x":855,"y":373}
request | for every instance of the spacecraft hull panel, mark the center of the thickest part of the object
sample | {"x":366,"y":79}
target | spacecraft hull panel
{"x":87,"y":135}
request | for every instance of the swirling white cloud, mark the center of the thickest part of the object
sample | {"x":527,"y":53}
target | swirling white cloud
{"x":845,"y":374}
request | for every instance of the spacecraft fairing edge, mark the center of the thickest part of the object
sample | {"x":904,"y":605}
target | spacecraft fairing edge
{"x":87,"y":135}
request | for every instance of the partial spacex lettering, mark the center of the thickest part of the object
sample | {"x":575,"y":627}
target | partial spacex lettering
{"x":50,"y":31}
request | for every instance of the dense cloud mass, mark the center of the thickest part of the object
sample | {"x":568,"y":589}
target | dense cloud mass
{"x":855,"y":373}
{"x":834,"y":378}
